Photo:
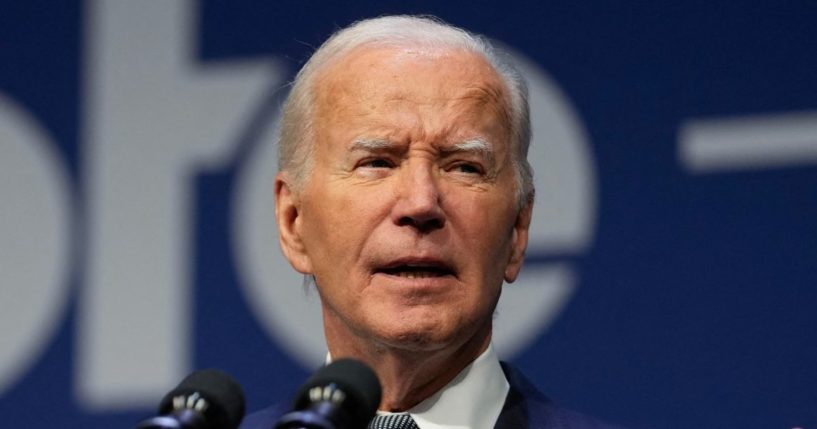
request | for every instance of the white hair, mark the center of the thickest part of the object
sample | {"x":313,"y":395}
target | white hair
{"x":296,"y":144}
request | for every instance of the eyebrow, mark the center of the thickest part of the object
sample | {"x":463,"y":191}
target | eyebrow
{"x":475,"y":145}
{"x":371,"y":144}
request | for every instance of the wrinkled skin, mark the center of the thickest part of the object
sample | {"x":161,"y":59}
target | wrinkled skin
{"x":409,"y":219}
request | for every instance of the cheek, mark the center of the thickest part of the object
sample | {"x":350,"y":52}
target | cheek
{"x":485,"y":227}
{"x":338,"y":223}
{"x":484,"y":220}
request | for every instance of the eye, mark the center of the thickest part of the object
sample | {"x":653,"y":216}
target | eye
{"x":376,"y":163}
{"x":467,"y":168}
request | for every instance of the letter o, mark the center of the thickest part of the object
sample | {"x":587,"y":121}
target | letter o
{"x":35,"y":237}
{"x":564,"y":223}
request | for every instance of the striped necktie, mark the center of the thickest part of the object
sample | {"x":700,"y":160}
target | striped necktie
{"x":393,"y":421}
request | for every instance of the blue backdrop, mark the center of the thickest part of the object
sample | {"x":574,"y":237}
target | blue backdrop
{"x":680,"y":264}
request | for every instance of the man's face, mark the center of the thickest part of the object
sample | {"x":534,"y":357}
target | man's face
{"x":409,"y":218}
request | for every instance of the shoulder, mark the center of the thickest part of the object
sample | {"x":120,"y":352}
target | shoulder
{"x":527,"y":407}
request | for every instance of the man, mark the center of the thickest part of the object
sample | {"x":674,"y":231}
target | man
{"x":404,"y":190}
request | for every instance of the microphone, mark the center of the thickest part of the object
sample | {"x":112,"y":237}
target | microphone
{"x":206,"y":399}
{"x":342,"y":395}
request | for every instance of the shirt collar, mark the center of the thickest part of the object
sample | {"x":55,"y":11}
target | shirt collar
{"x":473,"y":399}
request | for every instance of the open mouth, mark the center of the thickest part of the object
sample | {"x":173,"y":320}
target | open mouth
{"x":417,"y":271}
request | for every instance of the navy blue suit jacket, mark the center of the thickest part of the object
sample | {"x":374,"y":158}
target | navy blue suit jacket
{"x":525,"y":408}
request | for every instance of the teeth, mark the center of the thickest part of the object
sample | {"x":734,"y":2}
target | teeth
{"x":417,"y":274}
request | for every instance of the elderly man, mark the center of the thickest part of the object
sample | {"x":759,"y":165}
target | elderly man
{"x":405,"y":191}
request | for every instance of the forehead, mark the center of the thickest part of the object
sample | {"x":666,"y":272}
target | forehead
{"x":393,"y":62}
{"x":410,"y":81}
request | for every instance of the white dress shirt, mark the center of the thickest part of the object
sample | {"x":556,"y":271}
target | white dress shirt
{"x":472,"y":400}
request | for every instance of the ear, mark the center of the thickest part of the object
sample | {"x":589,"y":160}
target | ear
{"x":519,"y":241}
{"x":289,"y":220}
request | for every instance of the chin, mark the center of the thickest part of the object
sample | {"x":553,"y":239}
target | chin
{"x":418,"y":342}
{"x":422,"y":336}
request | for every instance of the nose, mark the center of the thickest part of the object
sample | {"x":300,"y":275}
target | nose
{"x":418,"y":204}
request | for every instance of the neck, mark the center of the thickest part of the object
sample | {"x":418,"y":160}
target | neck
{"x":409,"y":375}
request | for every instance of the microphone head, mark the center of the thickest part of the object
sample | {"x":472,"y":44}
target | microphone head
{"x":210,"y":392}
{"x":348,"y":383}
